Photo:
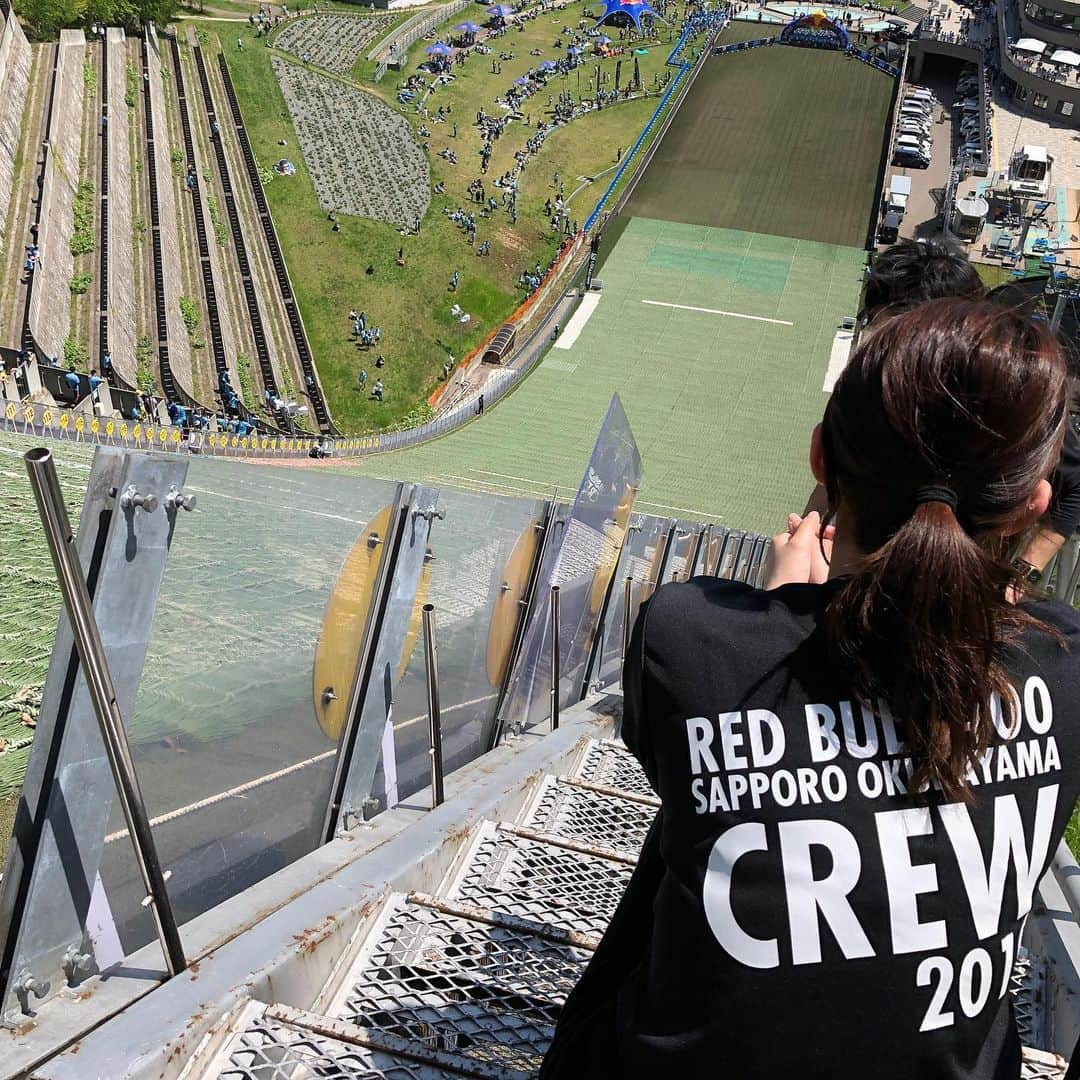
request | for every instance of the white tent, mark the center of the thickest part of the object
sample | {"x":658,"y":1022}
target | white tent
{"x":1031,"y":45}
{"x":1066,"y":56}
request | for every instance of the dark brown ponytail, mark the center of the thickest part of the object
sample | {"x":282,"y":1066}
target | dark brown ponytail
{"x":969,"y":398}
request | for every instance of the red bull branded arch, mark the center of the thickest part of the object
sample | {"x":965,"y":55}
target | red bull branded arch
{"x":815,"y":31}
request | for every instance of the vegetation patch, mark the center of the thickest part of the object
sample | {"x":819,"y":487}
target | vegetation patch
{"x":131,"y":87}
{"x":249,"y":393}
{"x":80,"y":283}
{"x":221,"y":233}
{"x":82,"y":210}
{"x":77,"y":354}
{"x":144,"y":365}
{"x":190,"y":313}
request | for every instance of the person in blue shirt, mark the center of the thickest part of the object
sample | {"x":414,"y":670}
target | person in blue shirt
{"x":73,"y":383}
{"x":95,"y":380}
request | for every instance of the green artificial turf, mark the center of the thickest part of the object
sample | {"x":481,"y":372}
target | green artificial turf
{"x":778,"y":140}
{"x":722,"y":407}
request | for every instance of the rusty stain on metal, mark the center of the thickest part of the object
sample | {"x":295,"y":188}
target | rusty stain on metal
{"x":570,"y":845}
{"x":610,"y":792}
{"x":559,"y":934}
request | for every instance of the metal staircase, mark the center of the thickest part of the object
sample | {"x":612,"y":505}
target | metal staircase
{"x":470,"y":981}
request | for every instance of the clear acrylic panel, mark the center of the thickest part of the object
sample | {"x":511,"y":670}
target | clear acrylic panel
{"x":580,"y":560}
{"x":711,"y":549}
{"x":640,"y":562}
{"x":226,"y":734}
{"x":482,"y":555}
{"x":683,"y":548}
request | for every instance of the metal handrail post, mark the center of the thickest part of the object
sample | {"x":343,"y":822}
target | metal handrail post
{"x":431,"y":673}
{"x":627,"y":622}
{"x":555,"y":675}
{"x":84,"y":629}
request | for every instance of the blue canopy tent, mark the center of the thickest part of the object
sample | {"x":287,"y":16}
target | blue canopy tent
{"x":626,"y":13}
{"x":547,"y":65}
{"x":500,"y":11}
{"x":467,"y":28}
{"x":439,"y":49}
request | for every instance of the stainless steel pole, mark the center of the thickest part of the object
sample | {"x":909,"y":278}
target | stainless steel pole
{"x":554,"y":657}
{"x":431,"y":671}
{"x":54,"y":519}
{"x":627,"y":622}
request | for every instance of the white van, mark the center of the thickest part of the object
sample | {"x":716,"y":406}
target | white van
{"x":914,"y":109}
{"x":921,"y":93}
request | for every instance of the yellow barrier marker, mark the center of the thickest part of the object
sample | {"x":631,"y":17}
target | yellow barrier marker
{"x":176,"y":436}
{"x":64,"y":420}
{"x":110,"y":428}
{"x":95,"y":425}
{"x":46,"y":417}
{"x":11,"y":410}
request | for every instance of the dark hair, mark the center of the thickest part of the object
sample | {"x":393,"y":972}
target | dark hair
{"x":958,"y":394}
{"x":913,"y":271}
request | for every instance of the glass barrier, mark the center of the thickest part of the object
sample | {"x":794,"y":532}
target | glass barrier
{"x":228,"y":731}
{"x":681,"y":552}
{"x":580,"y":559}
{"x":643,"y":552}
{"x":711,"y":549}
{"x":482,"y":554}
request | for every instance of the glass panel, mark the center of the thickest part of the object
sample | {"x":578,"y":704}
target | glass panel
{"x":233,"y":762}
{"x":580,"y":559}
{"x":483,"y":552}
{"x":642,"y":552}
{"x":711,"y":549}
{"x":683,"y":547}
{"x":729,"y":553}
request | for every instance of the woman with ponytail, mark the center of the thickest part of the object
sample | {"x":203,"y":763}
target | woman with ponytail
{"x":864,"y":769}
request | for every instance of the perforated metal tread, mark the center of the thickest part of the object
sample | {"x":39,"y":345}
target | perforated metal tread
{"x":537,"y":881}
{"x":488,"y":993}
{"x":610,"y":764}
{"x":268,"y":1049}
{"x":606,"y":822}
{"x":279,"y":1042}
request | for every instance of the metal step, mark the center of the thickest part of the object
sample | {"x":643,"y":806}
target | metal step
{"x":277,"y":1042}
{"x":605,"y":823}
{"x":609,"y":764}
{"x":490,"y":993}
{"x":537,"y":881}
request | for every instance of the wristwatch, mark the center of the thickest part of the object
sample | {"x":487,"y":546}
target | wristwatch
{"x":1028,"y":574}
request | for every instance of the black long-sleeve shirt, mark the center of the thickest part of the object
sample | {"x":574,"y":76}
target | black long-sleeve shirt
{"x":795,"y":911}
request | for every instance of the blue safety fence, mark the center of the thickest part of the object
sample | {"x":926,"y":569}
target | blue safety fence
{"x":739,"y":46}
{"x":874,"y":61}
{"x":694,"y":27}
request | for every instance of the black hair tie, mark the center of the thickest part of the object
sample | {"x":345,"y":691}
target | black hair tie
{"x":937,"y":493}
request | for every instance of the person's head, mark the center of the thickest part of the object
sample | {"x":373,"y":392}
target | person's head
{"x":955,"y":395}
{"x":914,"y":271}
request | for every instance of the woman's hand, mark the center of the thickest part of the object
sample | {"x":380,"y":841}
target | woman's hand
{"x":797,"y":555}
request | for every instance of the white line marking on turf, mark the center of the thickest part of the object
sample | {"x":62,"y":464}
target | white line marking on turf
{"x":717,"y":311}
{"x":577,"y":321}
